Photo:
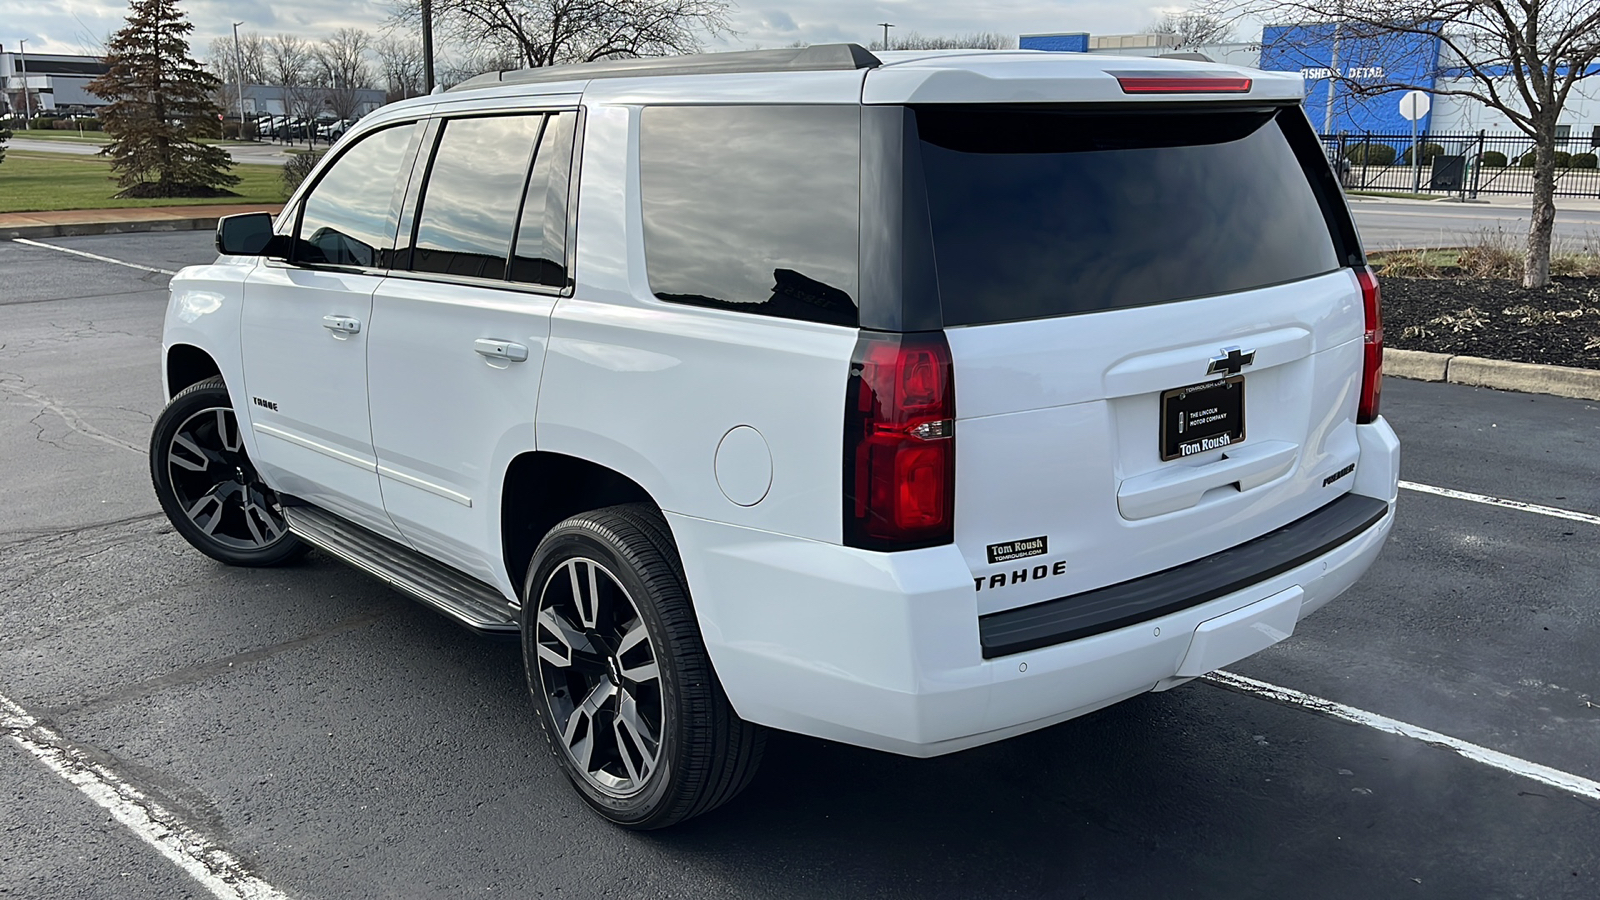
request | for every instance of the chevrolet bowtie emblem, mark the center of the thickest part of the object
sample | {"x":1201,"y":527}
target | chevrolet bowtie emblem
{"x":1231,"y":361}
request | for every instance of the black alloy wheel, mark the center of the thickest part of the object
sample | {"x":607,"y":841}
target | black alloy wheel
{"x":208,"y":487}
{"x":621,"y":682}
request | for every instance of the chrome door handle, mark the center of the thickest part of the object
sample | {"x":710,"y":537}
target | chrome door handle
{"x":342,"y":324}
{"x":506,"y":350}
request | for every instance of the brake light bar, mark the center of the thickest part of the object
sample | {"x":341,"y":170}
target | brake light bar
{"x":1183,"y":84}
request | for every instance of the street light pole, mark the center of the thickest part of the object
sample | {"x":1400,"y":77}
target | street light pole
{"x":27,"y":105}
{"x":238,"y":74}
{"x":886,"y":27}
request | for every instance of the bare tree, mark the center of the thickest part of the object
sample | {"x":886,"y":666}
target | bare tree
{"x":979,"y":40}
{"x":341,"y":69}
{"x":289,"y":64}
{"x":1190,"y":29}
{"x":400,"y":64}
{"x":1521,"y":58}
{"x":551,"y":32}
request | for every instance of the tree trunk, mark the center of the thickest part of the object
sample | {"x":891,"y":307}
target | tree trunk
{"x":1541,"y":227}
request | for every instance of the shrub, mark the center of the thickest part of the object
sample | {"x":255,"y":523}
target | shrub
{"x":1493,"y":159}
{"x":297,"y":168}
{"x":1584,"y":161}
{"x":1370,"y":155}
{"x":1429,"y":151}
{"x":1563,"y":159}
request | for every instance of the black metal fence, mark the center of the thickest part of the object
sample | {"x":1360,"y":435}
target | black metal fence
{"x":1467,"y":164}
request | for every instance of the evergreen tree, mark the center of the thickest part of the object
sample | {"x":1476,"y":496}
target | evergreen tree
{"x":161,"y":101}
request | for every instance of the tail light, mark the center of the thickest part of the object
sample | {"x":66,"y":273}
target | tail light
{"x":1372,"y":347}
{"x":1157,"y":83}
{"x":899,"y":442}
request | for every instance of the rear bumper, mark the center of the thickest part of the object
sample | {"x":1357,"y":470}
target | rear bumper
{"x":886,"y":650}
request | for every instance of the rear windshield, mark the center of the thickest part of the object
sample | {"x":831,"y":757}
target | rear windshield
{"x":1038,"y":213}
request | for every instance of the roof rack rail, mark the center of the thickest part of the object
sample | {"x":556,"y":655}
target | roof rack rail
{"x":816,"y":58}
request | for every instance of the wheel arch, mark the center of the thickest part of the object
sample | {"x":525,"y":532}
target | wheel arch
{"x":542,"y":488}
{"x":187,"y":364}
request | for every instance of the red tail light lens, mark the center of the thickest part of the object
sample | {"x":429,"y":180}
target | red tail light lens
{"x":1188,"y":84}
{"x":1372,"y":347}
{"x":899,"y":442}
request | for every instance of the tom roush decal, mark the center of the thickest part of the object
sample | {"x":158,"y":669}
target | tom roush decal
{"x":1020,"y":549}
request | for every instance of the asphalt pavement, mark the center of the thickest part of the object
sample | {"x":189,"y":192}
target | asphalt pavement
{"x":339,"y":740}
{"x":1388,"y":224}
{"x":259,"y":153}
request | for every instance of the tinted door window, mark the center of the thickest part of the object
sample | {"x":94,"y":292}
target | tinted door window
{"x":470,"y":200}
{"x":349,"y":217}
{"x":1040,"y":213}
{"x":541,"y":254}
{"x":754,"y":209}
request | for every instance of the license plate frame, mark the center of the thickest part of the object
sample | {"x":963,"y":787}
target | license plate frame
{"x":1217,"y":405}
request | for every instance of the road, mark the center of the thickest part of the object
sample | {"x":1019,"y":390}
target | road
{"x":1389,"y":224}
{"x":338,"y":740}
{"x":266,"y":154}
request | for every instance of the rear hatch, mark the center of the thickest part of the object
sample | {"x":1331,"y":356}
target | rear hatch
{"x":1155,"y":333}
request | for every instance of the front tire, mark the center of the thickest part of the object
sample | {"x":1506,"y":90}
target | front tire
{"x":208,"y":487}
{"x":621,"y":682}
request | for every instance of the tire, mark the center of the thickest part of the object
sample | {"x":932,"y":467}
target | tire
{"x":604,"y":673}
{"x":230,"y":516}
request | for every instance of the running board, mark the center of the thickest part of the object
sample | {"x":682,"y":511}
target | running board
{"x":471,"y":602}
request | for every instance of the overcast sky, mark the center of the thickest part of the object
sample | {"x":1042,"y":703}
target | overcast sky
{"x":79,"y":26}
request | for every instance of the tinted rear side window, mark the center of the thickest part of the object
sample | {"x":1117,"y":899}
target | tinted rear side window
{"x":754,"y":209}
{"x":1040,"y":213}
{"x":469,"y":204}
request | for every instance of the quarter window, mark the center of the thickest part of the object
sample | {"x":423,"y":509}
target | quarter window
{"x":349,"y":217}
{"x":754,"y":209}
{"x":541,"y":255}
{"x":470,"y":200}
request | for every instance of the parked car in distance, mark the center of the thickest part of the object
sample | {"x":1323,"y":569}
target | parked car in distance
{"x":913,"y":400}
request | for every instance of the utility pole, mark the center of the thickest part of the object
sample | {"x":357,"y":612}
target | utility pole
{"x":1333,"y":66}
{"x":238,"y":73}
{"x":427,"y":46}
{"x":886,"y":27}
{"x":27,"y":106}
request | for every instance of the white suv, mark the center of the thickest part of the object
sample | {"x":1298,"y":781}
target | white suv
{"x":911,"y":401}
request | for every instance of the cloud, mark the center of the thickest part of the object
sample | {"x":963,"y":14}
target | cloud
{"x":778,"y":20}
{"x":78,"y":26}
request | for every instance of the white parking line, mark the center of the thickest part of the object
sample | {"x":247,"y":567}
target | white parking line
{"x":215,"y":868}
{"x":1552,"y":511}
{"x":1555,"y":778}
{"x":94,"y":256}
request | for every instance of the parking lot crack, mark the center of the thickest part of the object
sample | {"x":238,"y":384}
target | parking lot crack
{"x":207,"y":670}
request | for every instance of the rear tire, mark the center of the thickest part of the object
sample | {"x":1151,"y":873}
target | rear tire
{"x":208,"y":487}
{"x":621,"y":682}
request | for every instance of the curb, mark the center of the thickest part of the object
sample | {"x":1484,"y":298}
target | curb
{"x":84,"y":228}
{"x":1528,"y":378}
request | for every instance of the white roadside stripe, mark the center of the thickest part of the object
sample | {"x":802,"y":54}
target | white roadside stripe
{"x":94,"y":256}
{"x":1555,"y":778}
{"x":215,"y":868}
{"x":1551,"y":511}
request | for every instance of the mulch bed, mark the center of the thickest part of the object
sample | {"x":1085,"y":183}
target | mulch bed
{"x":1558,"y":325}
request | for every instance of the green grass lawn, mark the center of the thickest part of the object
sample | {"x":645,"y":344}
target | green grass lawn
{"x":31,"y":182}
{"x":40,"y":134}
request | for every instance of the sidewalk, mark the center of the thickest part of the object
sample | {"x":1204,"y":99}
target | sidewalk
{"x":1512,"y":201}
{"x":65,"y":223}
